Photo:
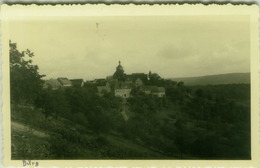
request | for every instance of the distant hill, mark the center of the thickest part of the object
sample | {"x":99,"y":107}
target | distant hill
{"x":230,"y":78}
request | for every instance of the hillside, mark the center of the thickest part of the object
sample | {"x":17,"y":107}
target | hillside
{"x":230,"y":78}
{"x":82,"y":125}
{"x":63,"y":139}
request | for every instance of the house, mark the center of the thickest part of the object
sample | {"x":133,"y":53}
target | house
{"x":104,"y":89}
{"x":110,"y":77}
{"x":123,"y":89}
{"x":149,"y":89}
{"x":77,"y":82}
{"x":158,"y":91}
{"x":52,"y":83}
{"x":99,"y":81}
{"x":134,"y":76}
{"x":153,"y":90}
{"x":65,"y":82}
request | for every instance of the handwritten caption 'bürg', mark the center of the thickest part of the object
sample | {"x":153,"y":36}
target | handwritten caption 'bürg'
{"x":30,"y":163}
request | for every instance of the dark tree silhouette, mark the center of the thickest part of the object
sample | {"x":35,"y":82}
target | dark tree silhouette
{"x":25,"y":79}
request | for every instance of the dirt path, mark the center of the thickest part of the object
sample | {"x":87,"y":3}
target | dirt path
{"x":23,"y":128}
{"x":123,"y":111}
{"x":124,"y":115}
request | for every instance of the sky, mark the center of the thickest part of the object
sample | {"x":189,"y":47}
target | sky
{"x":90,"y":47}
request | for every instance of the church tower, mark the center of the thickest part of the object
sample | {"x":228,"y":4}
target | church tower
{"x":119,"y":74}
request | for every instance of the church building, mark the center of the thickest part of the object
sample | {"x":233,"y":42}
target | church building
{"x":122,"y":87}
{"x":122,"y":84}
{"x":119,"y":74}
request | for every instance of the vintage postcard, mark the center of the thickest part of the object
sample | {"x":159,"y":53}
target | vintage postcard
{"x":130,"y":85}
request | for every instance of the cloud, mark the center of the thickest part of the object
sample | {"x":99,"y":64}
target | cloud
{"x":170,"y":46}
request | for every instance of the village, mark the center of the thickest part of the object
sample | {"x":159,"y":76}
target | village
{"x":120,"y":84}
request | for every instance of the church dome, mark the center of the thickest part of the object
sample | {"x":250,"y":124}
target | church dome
{"x":119,"y":74}
{"x":120,"y":67}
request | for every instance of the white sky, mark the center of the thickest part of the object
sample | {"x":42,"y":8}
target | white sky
{"x":172,"y":46}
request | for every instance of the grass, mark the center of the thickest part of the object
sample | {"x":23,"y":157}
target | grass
{"x":26,"y":145}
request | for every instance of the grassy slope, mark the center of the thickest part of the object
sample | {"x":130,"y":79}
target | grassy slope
{"x":29,"y":124}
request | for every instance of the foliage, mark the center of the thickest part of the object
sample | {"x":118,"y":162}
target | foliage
{"x":52,"y":103}
{"x":195,"y":128}
{"x":25,"y":79}
{"x":29,"y":146}
{"x":83,"y":106}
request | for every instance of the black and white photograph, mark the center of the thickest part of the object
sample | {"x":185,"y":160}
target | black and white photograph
{"x":130,"y":87}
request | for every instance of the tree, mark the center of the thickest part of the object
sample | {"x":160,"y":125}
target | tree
{"x":180,"y":84}
{"x":176,"y":94}
{"x":154,"y":77}
{"x":45,"y":101}
{"x":25,"y":79}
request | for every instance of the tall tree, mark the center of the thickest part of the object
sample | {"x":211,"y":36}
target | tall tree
{"x":25,"y":79}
